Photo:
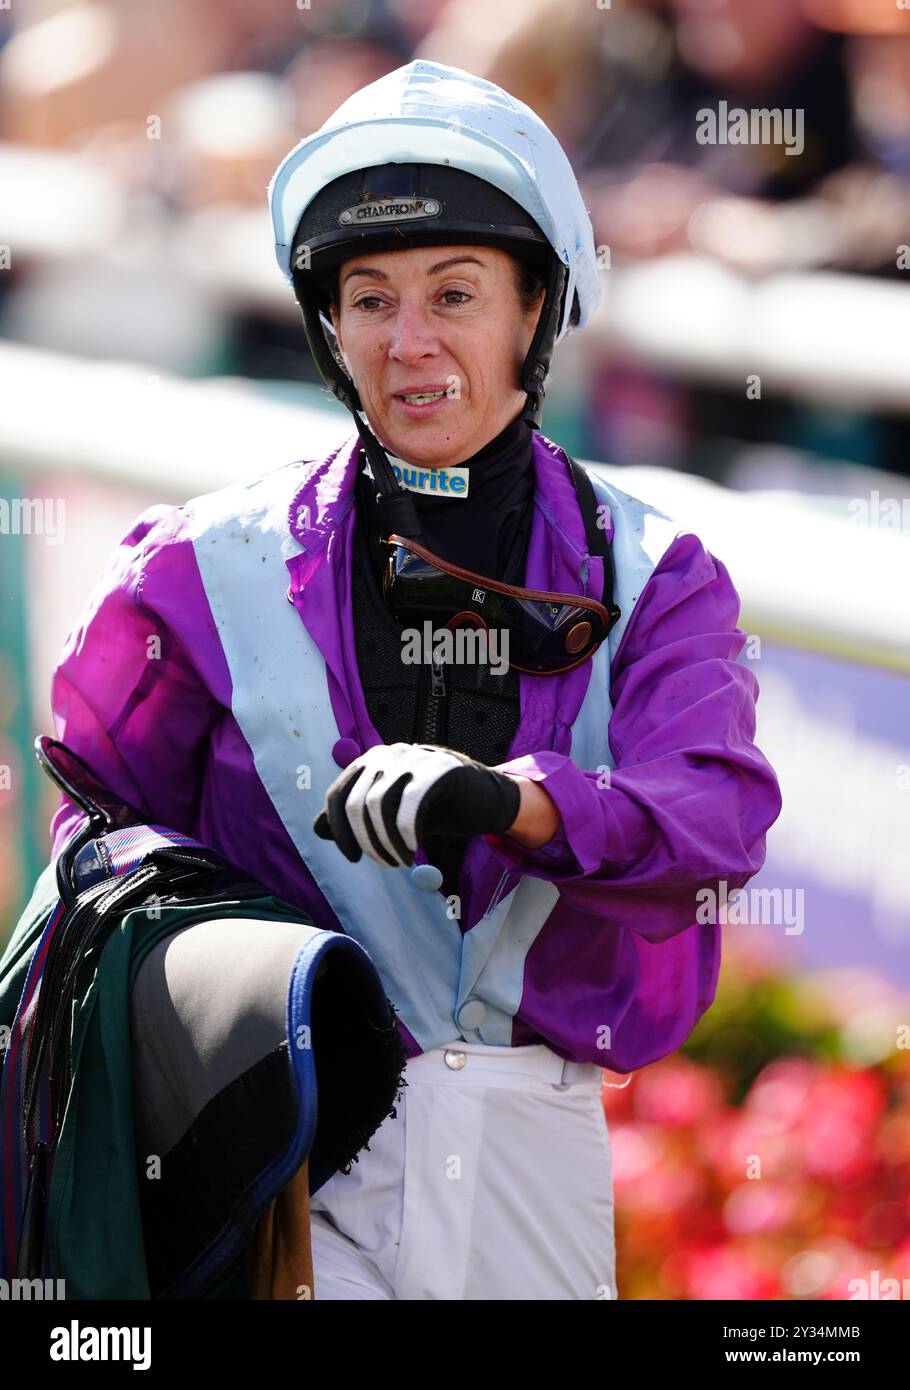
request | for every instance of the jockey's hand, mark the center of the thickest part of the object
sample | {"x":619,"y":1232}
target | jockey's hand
{"x":386,"y":802}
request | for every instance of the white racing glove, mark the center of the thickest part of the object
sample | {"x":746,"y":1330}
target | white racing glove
{"x":386,"y":802}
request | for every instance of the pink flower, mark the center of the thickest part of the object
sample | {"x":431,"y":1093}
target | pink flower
{"x":830,"y":1112}
{"x":752,"y":1148}
{"x":757,"y":1208}
{"x":781,"y":1093}
{"x":837,"y":1131}
{"x":637,"y":1149}
{"x":677,"y":1092}
{"x":647,"y":1177}
{"x":726,"y":1272}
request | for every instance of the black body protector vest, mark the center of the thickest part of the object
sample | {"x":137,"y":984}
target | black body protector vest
{"x":466,"y":707}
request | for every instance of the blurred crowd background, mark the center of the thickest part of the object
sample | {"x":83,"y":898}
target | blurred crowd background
{"x":183,"y":108}
{"x":755,"y":333}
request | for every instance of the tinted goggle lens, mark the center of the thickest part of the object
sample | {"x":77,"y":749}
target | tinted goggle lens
{"x":547,"y":633}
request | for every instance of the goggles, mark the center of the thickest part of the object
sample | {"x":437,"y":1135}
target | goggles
{"x":547,"y":633}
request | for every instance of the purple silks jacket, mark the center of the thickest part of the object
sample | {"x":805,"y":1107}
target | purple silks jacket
{"x":689,"y":801}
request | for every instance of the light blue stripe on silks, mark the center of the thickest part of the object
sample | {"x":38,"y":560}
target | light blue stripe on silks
{"x":493,"y":959}
{"x":279,"y":685}
{"x":641,"y":537}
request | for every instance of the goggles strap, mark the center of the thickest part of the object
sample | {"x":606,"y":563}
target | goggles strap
{"x":595,"y":534}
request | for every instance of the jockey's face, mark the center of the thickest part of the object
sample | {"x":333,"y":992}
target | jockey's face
{"x":437,"y":317}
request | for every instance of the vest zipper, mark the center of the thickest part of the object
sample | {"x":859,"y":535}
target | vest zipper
{"x":437,"y":693}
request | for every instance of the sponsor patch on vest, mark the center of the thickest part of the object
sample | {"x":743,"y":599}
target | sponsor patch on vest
{"x":436,"y":482}
{"x":384,"y":210}
{"x":431,"y":482}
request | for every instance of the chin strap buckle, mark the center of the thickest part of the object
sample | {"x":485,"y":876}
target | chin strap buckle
{"x":536,"y":392}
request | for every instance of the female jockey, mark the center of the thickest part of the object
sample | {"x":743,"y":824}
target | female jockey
{"x":448,"y":694}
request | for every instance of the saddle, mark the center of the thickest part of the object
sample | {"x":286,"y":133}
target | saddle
{"x":190,"y":1059}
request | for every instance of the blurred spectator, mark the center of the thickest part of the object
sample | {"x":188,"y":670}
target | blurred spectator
{"x":869,"y":202}
{"x":71,"y":69}
{"x":191,"y":107}
{"x":647,"y":173}
{"x":542,"y":51}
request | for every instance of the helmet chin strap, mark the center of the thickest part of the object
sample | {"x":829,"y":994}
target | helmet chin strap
{"x":537,"y":359}
{"x":395,"y":503}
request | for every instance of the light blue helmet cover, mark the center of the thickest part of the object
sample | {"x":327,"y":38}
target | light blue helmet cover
{"x":426,"y":113}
